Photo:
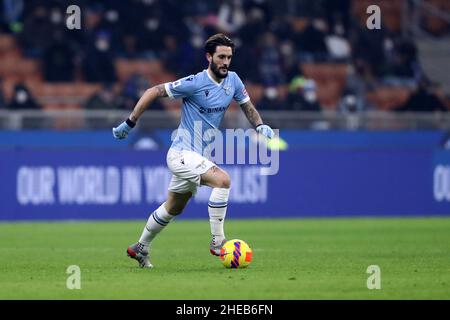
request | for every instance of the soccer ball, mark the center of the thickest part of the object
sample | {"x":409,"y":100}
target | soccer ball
{"x":236,"y":254}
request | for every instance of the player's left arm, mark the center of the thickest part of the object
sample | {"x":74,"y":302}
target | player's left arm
{"x":251,"y":113}
{"x":255,"y":119}
{"x":243,"y":99}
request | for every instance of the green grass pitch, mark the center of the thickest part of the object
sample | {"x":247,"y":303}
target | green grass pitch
{"x":293,"y":259}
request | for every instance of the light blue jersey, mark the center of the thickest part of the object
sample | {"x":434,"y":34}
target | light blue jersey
{"x":204,"y":105}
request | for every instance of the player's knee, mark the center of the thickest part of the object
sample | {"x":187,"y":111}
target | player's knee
{"x":225,"y":181}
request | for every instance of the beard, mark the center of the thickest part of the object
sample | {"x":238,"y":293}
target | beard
{"x":216,"y":70}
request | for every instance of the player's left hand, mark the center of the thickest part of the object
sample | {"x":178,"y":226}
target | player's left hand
{"x":265,"y":130}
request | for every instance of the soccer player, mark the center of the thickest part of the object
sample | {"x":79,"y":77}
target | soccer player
{"x":206,"y":96}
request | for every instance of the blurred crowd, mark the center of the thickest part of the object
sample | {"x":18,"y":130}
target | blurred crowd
{"x":274,"y":39}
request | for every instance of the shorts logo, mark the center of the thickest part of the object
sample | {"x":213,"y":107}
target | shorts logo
{"x":201,"y":165}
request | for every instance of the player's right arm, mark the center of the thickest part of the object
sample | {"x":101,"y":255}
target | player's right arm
{"x":150,"y":95}
{"x":174,"y":90}
{"x":147,"y":98}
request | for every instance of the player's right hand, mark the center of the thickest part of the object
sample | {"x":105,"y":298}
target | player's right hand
{"x":121,"y":132}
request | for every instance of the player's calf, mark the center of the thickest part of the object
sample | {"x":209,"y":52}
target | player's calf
{"x":217,"y":209}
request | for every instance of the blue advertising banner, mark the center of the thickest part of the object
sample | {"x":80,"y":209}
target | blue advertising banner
{"x":125,"y":184}
{"x":441,"y":180}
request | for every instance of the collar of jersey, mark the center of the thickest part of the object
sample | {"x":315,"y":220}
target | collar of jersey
{"x":214,"y":81}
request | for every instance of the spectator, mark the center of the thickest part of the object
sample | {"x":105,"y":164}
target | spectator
{"x":98,"y":64}
{"x":133,"y":89}
{"x":22,"y":99}
{"x":105,"y":99}
{"x":372,"y":47}
{"x":423,"y":99}
{"x":306,"y":8}
{"x":151,"y":32}
{"x":338,"y":15}
{"x":172,"y":57}
{"x":10,"y":14}
{"x":172,"y":11}
{"x":350,"y":105}
{"x":303,"y":95}
{"x":190,"y":56}
{"x":272,"y":39}
{"x":263,"y":6}
{"x":130,"y":47}
{"x":309,"y":37}
{"x":36,"y":32}
{"x":2,"y":97}
{"x":338,"y":45}
{"x":359,"y":82}
{"x":270,"y":64}
{"x":272,"y":100}
{"x":246,"y":61}
{"x":59,"y":60}
{"x":350,"y":102}
{"x":403,"y":67}
{"x":254,"y":25}
{"x":231,"y":16}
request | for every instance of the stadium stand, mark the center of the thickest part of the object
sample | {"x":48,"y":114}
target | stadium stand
{"x":144,"y":48}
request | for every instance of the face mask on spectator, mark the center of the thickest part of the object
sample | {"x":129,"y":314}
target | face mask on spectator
{"x":350,"y":100}
{"x":310,"y":96}
{"x":56,"y":16}
{"x":21,"y":96}
{"x":271,"y":93}
{"x":309,"y":90}
{"x":102,"y":44}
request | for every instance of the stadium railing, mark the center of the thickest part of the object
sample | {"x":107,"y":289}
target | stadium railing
{"x":324,"y":120}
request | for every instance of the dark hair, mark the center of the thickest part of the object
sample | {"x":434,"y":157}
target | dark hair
{"x":218,"y":39}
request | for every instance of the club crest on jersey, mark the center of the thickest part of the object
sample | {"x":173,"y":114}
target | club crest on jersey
{"x":206,"y":93}
{"x":227,"y":89}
